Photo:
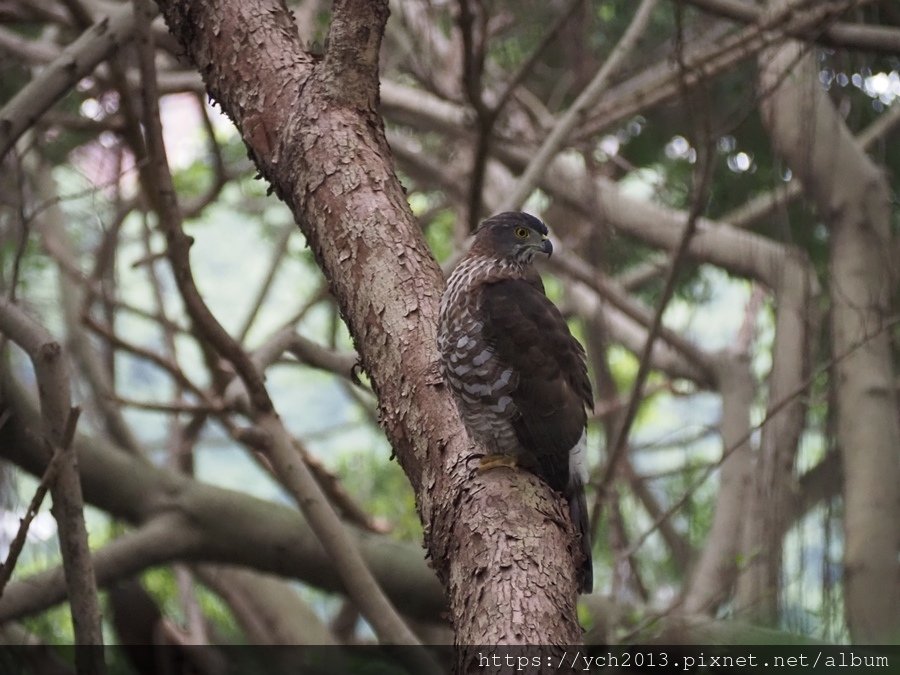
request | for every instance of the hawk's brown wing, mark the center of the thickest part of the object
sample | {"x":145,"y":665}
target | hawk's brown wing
{"x":527,"y":332}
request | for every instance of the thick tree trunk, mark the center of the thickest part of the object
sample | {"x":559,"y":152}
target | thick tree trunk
{"x":499,"y":541}
{"x":853,"y":199}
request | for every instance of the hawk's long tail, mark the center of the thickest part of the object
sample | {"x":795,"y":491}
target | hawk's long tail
{"x":579,"y":513}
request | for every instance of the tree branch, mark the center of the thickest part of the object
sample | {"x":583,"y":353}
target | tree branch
{"x":667,"y":80}
{"x":77,"y":60}
{"x":855,"y":204}
{"x":48,"y":479}
{"x":270,"y":610}
{"x":51,"y":373}
{"x":200,"y":523}
{"x":575,"y":113}
{"x":839,"y":34}
{"x":350,"y":68}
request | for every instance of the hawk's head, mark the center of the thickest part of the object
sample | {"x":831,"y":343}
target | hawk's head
{"x":512,"y":235}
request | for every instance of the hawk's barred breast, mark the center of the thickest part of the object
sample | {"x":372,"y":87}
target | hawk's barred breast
{"x":481,"y":383}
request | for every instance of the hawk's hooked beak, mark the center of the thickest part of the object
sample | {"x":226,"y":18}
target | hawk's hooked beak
{"x":546,"y":246}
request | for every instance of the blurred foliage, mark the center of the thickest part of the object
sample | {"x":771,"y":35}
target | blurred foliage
{"x":383,"y":491}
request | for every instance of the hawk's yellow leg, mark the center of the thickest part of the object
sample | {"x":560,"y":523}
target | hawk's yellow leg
{"x":489,"y":462}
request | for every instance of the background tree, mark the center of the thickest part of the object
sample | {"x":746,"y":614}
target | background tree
{"x":717,"y":176}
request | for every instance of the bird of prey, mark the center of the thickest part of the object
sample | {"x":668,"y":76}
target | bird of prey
{"x":516,"y":372}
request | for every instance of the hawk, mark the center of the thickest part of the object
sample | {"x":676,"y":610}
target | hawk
{"x":517,"y":374}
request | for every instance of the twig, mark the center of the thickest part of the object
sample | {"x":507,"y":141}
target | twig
{"x":619,"y":444}
{"x":51,"y":372}
{"x":18,"y":542}
{"x":612,"y":292}
{"x":526,"y":66}
{"x":146,"y":354}
{"x":75,"y":61}
{"x":618,"y":536}
{"x":339,"y":497}
{"x":221,"y":174}
{"x":174,"y":407}
{"x":162,"y":194}
{"x":22,"y":240}
{"x":61,"y":254}
{"x":313,"y":354}
{"x":772,"y":412}
{"x":278,"y":253}
{"x":488,"y":114}
{"x":840,"y":34}
{"x":557,"y":137}
{"x":473,"y":69}
{"x":318,"y":295}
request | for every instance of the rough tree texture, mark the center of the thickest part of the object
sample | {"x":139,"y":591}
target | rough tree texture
{"x":853,"y":198}
{"x":313,"y":130}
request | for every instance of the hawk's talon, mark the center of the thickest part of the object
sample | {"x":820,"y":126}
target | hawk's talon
{"x":489,"y":462}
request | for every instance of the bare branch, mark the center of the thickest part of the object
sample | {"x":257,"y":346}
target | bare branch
{"x":774,"y":409}
{"x":278,"y":253}
{"x":575,"y":113}
{"x":616,"y":296}
{"x":360,"y":583}
{"x":162,"y":192}
{"x":809,"y":131}
{"x":193,"y":521}
{"x":73,"y":296}
{"x":49,"y":477}
{"x":51,"y":372}
{"x":715,"y":571}
{"x":270,"y":611}
{"x":666,"y":80}
{"x":487,"y":114}
{"x":839,"y":34}
{"x":618,"y":445}
{"x":77,"y":60}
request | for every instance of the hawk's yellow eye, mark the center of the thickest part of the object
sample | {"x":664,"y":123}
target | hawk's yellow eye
{"x":522,"y":232}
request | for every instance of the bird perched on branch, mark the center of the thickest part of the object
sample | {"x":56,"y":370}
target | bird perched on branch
{"x":518,"y":375}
